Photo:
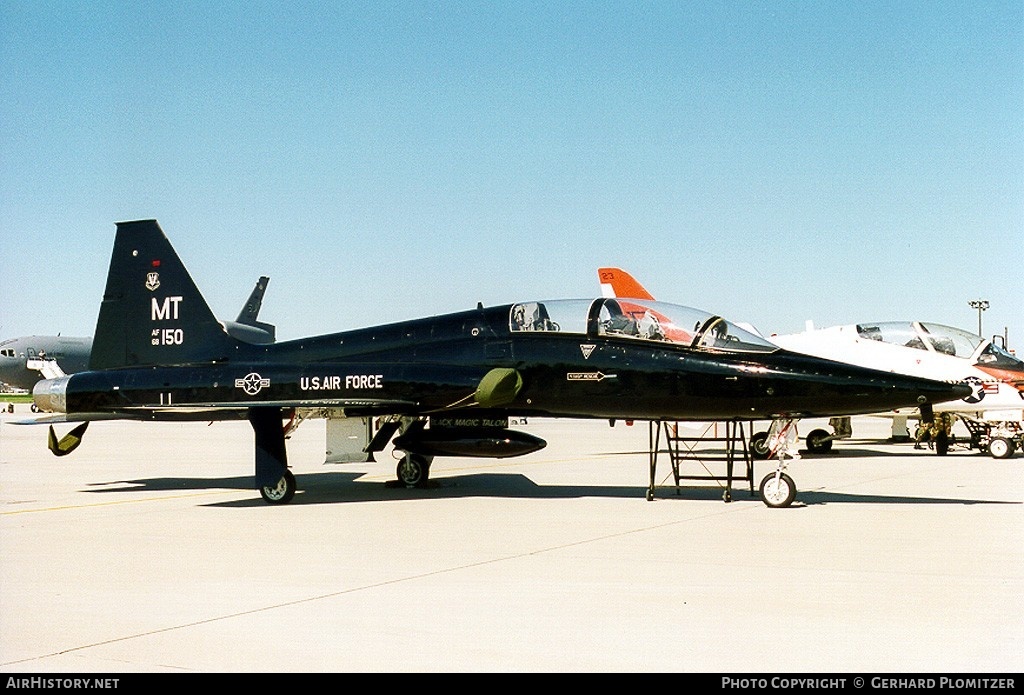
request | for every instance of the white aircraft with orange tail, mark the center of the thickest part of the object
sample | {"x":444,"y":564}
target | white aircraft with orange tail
{"x":993,"y":413}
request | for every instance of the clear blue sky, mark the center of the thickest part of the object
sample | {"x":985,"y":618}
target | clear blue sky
{"x":768,"y":161}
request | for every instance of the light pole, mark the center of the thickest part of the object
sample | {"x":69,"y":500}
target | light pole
{"x":980,"y":305}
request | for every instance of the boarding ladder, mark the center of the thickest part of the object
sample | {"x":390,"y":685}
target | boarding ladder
{"x":47,"y":367}
{"x":715,"y":443}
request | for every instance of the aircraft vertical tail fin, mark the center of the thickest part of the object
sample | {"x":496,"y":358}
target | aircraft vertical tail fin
{"x":247,"y":327}
{"x":152,"y":311}
{"x":249,"y":315}
{"x":616,"y":282}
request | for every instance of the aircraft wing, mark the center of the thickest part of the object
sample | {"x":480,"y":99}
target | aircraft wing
{"x":381,"y":405}
{"x":228,"y":410}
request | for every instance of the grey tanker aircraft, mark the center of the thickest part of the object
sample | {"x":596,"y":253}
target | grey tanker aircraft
{"x":448,"y":384}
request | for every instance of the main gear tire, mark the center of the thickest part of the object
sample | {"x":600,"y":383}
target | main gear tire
{"x":819,"y":442}
{"x":413,"y":470}
{"x":283,"y":492}
{"x":759,"y":446}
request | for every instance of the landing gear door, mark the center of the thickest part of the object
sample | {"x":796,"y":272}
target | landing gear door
{"x":347,"y":437}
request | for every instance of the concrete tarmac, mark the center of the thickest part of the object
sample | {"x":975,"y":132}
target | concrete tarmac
{"x":147,"y":551}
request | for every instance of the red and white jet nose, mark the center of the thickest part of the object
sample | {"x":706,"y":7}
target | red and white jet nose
{"x":1013,"y":377}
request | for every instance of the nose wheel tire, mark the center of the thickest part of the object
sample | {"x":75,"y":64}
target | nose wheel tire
{"x":281,"y":493}
{"x":778,"y":491}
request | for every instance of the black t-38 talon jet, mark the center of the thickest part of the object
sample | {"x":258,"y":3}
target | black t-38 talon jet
{"x":446,"y":385}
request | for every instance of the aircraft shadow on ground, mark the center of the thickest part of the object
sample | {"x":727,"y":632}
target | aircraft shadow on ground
{"x":905,"y":451}
{"x":342,"y":488}
{"x":851,"y":449}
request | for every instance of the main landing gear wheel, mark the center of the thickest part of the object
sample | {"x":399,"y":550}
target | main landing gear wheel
{"x":818,"y":442}
{"x":281,"y":493}
{"x":778,"y":490}
{"x":1001,"y":447}
{"x":759,"y":446}
{"x":413,"y":470}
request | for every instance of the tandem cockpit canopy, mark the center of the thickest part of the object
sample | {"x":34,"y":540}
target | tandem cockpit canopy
{"x":942,"y":339}
{"x":637,"y":319}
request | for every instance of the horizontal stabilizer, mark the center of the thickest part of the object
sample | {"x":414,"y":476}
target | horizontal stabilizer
{"x":57,"y":418}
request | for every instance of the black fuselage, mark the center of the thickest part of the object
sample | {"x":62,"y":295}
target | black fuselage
{"x":434,"y":364}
